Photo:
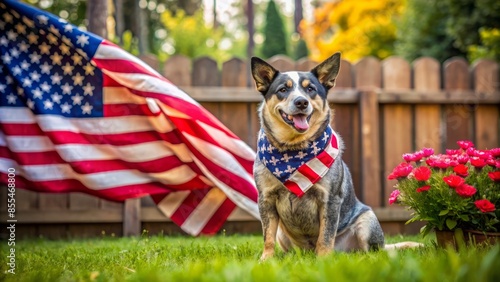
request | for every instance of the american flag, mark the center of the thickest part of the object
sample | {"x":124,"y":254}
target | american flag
{"x":78,"y":114}
{"x":298,"y":170}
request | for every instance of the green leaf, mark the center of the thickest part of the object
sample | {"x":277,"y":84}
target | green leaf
{"x":451,"y":223}
{"x":444,"y":212}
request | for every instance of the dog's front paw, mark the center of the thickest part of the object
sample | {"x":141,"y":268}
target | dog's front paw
{"x":266,"y":255}
{"x":322,"y":251}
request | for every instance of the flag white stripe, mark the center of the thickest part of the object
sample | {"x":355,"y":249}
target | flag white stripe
{"x":219,"y":156}
{"x":172,"y":202}
{"x":29,"y":144}
{"x":235,"y":146}
{"x":100,"y":180}
{"x":104,"y":126}
{"x":121,"y":95}
{"x":301,"y":180}
{"x":317,"y":166}
{"x":148,"y":83}
{"x":203,"y":212}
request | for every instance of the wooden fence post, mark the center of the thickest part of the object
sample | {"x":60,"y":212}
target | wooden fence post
{"x":397,"y":137}
{"x":132,"y":217}
{"x":368,"y":77}
{"x":486,"y":82}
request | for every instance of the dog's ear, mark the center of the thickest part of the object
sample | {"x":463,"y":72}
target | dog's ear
{"x":263,"y":74}
{"x":327,"y":71}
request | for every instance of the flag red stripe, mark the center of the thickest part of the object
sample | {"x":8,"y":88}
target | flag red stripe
{"x":294,"y":188}
{"x":119,"y":194}
{"x":325,"y":158}
{"x":230,"y":179}
{"x":219,"y":217}
{"x":309,"y":173}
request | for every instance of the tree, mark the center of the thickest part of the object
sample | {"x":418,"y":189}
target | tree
{"x":357,"y":28}
{"x":467,"y":17}
{"x":274,"y":32}
{"x":422,"y":31}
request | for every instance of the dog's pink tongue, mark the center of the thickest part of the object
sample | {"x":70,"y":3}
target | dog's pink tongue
{"x":300,"y":122}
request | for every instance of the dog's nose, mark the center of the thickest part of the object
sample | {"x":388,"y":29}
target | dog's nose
{"x":301,"y":103}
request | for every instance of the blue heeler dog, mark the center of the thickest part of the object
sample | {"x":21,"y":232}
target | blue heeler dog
{"x":306,"y":195}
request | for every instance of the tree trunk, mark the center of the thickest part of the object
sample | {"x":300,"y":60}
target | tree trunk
{"x":97,"y":13}
{"x":141,"y":28}
{"x":119,"y":19}
{"x":251,"y":31}
{"x":298,"y":14}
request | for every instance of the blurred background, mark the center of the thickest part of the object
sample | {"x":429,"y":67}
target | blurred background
{"x":223,"y":29}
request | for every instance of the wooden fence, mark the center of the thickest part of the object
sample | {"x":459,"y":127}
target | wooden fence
{"x":382,"y":110}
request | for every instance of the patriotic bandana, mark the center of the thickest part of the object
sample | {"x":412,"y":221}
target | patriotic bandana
{"x":298,"y":170}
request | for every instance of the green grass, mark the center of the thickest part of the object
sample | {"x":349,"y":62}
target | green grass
{"x":235,"y":258}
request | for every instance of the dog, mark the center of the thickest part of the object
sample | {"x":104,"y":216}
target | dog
{"x":306,"y":195}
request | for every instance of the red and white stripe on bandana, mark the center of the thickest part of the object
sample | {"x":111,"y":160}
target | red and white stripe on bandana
{"x":79,"y":114}
{"x":300,"y":170}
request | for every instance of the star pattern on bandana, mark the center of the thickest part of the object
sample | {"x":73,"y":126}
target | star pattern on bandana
{"x":284,"y":164}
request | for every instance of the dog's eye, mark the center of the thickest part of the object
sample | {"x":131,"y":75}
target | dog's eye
{"x":282,"y":90}
{"x":310,"y":89}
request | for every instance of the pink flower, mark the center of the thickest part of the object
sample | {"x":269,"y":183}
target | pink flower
{"x":427,"y":152}
{"x":495,"y":152}
{"x":408,"y":157}
{"x":423,"y":188}
{"x":422,"y":173}
{"x":494,"y":175}
{"x":483,"y":154}
{"x":477,"y":162}
{"x":452,"y":152}
{"x":400,"y":171}
{"x":485,"y":205}
{"x":471,"y":152}
{"x":465,"y":144}
{"x":463,"y":159}
{"x":453,"y":180}
{"x":465,"y":190}
{"x":394,"y":196}
{"x":415,"y":157}
{"x":461,"y":170}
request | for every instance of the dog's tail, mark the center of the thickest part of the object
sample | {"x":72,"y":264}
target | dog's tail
{"x":403,"y":245}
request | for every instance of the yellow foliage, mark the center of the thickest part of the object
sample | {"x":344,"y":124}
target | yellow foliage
{"x":357,"y":28}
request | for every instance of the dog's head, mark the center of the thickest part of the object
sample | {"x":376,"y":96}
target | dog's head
{"x":295,"y":108}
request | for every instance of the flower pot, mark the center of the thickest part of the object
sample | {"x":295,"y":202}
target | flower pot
{"x":479,"y":237}
{"x":466,"y":237}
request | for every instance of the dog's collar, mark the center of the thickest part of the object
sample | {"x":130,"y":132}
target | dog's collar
{"x":299,"y":170}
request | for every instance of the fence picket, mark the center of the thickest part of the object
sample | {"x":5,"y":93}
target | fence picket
{"x":486,"y":82}
{"x":397,"y":132}
{"x":427,"y":77}
{"x":458,"y":117}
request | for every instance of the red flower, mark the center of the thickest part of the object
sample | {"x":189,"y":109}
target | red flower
{"x":452,"y":152}
{"x":422,"y":173}
{"x":465,"y":190}
{"x":394,"y":196}
{"x":477,"y":162}
{"x":400,"y":171}
{"x":494,"y":175}
{"x":453,"y":180}
{"x":423,"y":188}
{"x":461,"y":170}
{"x":427,"y":152}
{"x":465,"y":144}
{"x":484,"y":205}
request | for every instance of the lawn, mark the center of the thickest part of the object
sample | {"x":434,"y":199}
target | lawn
{"x":235,"y":258}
